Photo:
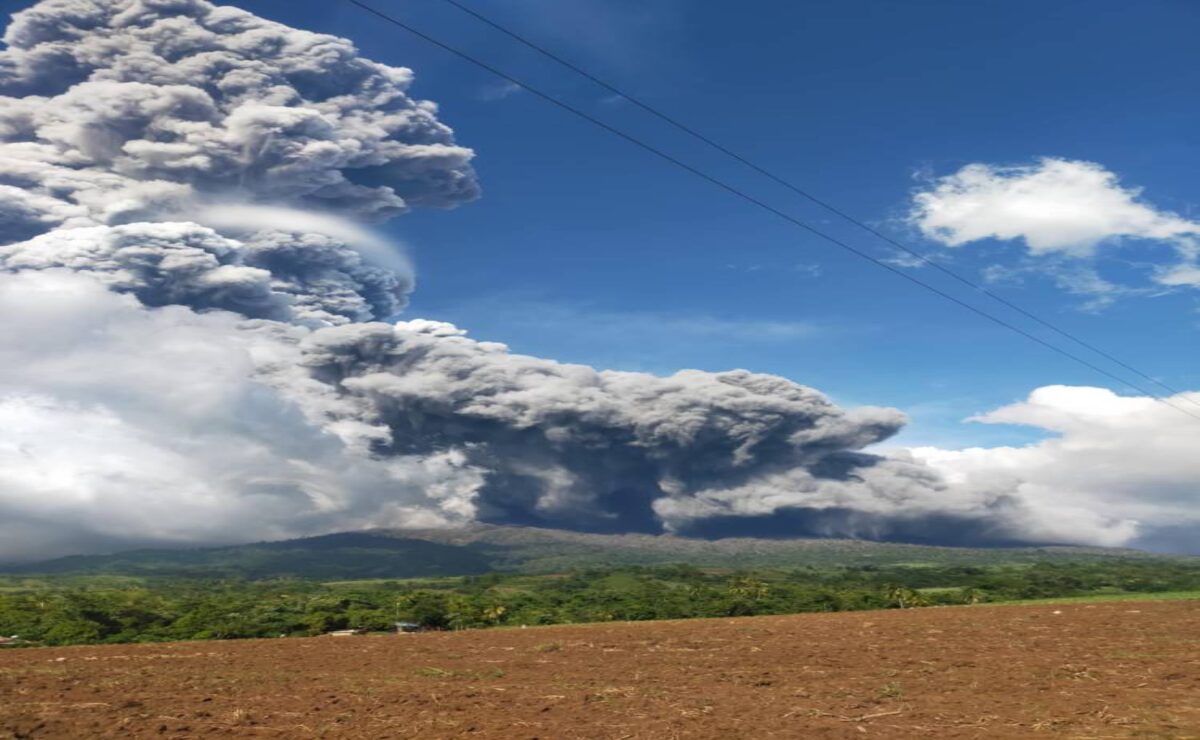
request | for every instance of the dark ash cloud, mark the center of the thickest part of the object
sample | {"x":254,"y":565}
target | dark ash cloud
{"x":222,"y":102}
{"x":604,"y":451}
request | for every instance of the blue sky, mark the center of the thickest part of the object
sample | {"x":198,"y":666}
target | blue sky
{"x":1044,"y":150}
{"x":585,"y":249}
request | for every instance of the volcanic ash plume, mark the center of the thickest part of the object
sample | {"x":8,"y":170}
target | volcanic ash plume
{"x":198,"y":347}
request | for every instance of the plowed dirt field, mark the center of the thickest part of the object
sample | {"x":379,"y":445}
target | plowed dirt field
{"x":1119,"y":669}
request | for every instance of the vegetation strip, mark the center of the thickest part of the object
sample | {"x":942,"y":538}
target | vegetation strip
{"x":65,"y":610}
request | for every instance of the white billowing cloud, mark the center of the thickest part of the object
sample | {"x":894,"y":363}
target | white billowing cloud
{"x":1055,"y":205}
{"x":1116,"y":470}
{"x":122,"y":424}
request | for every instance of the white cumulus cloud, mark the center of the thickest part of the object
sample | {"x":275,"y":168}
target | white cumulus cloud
{"x":1055,"y":205}
{"x":121,"y":424}
{"x":1117,"y":469}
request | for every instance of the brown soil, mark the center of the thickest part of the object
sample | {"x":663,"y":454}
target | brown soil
{"x":1119,"y":669}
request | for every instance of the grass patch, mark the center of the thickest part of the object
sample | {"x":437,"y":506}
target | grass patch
{"x":1101,"y":598}
{"x":891,"y":691}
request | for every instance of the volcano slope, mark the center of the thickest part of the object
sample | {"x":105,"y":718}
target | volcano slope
{"x":1117,"y":669}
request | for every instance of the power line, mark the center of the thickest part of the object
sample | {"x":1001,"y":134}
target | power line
{"x":755,"y":201}
{"x":924,"y":258}
{"x":751,"y":199}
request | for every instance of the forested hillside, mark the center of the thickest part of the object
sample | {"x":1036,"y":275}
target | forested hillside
{"x":482,"y":549}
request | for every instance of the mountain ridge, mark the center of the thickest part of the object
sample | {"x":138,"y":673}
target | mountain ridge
{"x":483,"y":548}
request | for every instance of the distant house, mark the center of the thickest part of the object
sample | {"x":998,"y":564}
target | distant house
{"x":346,"y":633}
{"x":407,"y":627}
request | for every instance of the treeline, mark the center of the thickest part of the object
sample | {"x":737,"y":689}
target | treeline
{"x":74,"y":611}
